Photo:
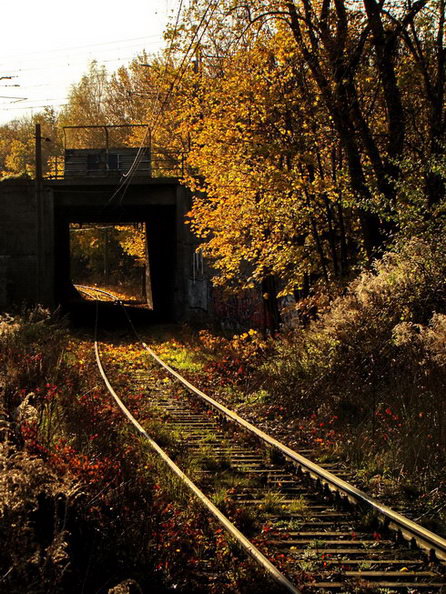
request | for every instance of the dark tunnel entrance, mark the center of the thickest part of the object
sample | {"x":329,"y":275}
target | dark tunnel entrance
{"x":158,"y":286}
{"x":112,"y":257}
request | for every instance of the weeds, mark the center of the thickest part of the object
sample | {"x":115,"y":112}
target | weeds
{"x":83,"y":502}
{"x":297,"y":507}
{"x":289,"y":525}
{"x":235,"y":480}
{"x":206,"y":459}
{"x":220,"y":497}
{"x":272,"y":502}
{"x":367,"y":378}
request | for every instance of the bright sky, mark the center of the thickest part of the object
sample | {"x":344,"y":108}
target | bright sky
{"x":46,"y":46}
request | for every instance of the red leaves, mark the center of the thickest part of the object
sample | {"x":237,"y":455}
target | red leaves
{"x":377,"y":536}
{"x":30,"y":434}
{"x":94,"y":470}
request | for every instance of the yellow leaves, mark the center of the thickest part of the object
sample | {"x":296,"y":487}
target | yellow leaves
{"x":133,"y":241}
{"x":261,"y":153}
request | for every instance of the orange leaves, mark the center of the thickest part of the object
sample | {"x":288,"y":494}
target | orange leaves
{"x":256,"y":139}
{"x":133,"y":241}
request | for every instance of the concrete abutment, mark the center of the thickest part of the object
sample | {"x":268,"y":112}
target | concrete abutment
{"x":34,"y":239}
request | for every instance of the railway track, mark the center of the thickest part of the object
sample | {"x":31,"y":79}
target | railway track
{"x":326,"y":535}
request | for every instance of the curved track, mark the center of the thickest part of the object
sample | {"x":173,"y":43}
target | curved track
{"x":310,"y":515}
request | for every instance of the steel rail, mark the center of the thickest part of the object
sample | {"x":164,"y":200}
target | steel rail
{"x":409,"y":529}
{"x":239,"y":537}
{"x":425,"y":539}
{"x":85,"y":289}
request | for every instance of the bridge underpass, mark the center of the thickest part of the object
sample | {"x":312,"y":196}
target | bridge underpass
{"x":160,"y":204}
{"x":35,"y":245}
{"x":163,"y":276}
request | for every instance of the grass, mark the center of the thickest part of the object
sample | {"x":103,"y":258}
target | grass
{"x":232,"y":479}
{"x":272,"y":502}
{"x":363,"y":382}
{"x":82,"y":461}
{"x":289,"y":525}
{"x":206,"y":459}
{"x":181,"y":358}
{"x":298,"y":506}
{"x":220,"y":497}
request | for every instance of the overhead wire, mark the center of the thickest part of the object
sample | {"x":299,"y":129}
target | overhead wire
{"x":178,"y":77}
{"x":82,"y":47}
{"x":129,"y":174}
{"x":72,"y":63}
{"x":198,"y":33}
{"x":149,"y":131}
{"x":78,"y":56}
{"x":31,"y":107}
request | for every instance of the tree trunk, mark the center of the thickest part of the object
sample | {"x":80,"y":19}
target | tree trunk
{"x":271,"y":313}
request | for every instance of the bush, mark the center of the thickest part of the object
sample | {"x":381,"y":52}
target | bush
{"x":32,"y":531}
{"x":375,"y":360}
{"x":31,"y":356}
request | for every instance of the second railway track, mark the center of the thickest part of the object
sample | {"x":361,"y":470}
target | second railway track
{"x":326,"y":535}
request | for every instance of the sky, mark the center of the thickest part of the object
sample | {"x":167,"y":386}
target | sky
{"x":47,"y":46}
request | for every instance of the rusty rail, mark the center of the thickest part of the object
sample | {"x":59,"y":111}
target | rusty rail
{"x":238,"y":536}
{"x":411,"y":531}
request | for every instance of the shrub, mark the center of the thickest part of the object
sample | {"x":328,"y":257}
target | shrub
{"x":31,"y":356}
{"x":375,"y":359}
{"x":32,"y":532}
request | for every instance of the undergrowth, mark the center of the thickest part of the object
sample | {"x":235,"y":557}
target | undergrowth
{"x":369,"y":375}
{"x":365,"y":380}
{"x":84,"y":506}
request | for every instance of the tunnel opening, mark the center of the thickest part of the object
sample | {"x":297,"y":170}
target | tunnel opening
{"x":131,"y":253}
{"x":114,"y":258}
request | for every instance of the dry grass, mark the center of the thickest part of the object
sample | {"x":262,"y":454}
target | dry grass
{"x":374,"y":364}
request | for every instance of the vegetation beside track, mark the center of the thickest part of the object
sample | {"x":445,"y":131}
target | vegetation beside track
{"x":364,"y":381}
{"x":82,"y":502}
{"x":83,"y":505}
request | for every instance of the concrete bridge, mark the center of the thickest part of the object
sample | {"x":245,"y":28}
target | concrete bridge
{"x":34,"y":238}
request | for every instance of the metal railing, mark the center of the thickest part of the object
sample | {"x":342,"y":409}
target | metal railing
{"x":153,"y":165}
{"x":106,"y":151}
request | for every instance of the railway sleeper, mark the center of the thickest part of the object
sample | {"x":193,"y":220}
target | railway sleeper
{"x":324,"y":537}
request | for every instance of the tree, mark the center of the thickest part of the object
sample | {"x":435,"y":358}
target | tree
{"x":315,"y":136}
{"x":270,"y":202}
{"x":86,"y":107}
{"x":17,"y":143}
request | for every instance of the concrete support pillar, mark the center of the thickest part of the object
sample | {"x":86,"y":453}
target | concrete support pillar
{"x":46,"y":276}
{"x":4,"y":260}
{"x":182,"y":207}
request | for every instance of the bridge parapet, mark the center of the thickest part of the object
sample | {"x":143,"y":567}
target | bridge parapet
{"x":101,"y":151}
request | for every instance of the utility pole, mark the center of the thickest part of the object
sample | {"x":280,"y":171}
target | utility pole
{"x":38,"y":166}
{"x":39,"y":211}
